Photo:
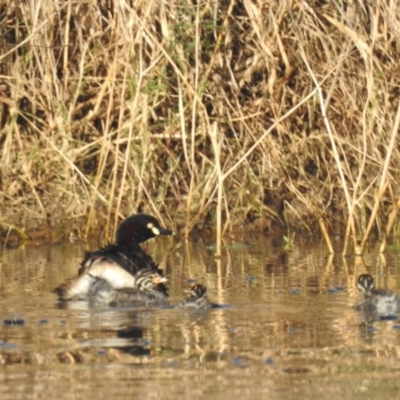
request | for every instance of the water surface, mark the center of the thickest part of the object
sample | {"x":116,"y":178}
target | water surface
{"x":288,"y":331}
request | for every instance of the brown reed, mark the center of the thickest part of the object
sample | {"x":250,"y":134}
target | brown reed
{"x":210,"y":114}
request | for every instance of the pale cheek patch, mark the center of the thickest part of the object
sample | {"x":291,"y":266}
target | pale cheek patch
{"x":155,"y":231}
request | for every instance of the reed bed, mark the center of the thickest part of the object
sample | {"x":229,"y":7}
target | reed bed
{"x":230,"y":114}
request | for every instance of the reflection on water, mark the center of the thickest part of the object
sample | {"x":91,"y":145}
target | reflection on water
{"x":289,"y":331}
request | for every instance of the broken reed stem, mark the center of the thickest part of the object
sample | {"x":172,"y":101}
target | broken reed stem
{"x":24,"y":236}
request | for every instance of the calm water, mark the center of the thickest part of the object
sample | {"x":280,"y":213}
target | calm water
{"x":289,"y":331}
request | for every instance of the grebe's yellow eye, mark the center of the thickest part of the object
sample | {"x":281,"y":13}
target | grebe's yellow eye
{"x":155,"y":230}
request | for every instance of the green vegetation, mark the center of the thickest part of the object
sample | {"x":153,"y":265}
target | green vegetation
{"x":228,"y":112}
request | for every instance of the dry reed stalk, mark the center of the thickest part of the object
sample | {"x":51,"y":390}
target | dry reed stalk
{"x":326,"y":235}
{"x":217,"y":144}
{"x":384,"y":182}
{"x":104,"y":151}
{"x":389,"y":226}
{"x":68,"y":161}
{"x":189,"y":160}
{"x":128,"y":145}
{"x":21,"y":233}
{"x":333,"y":142}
